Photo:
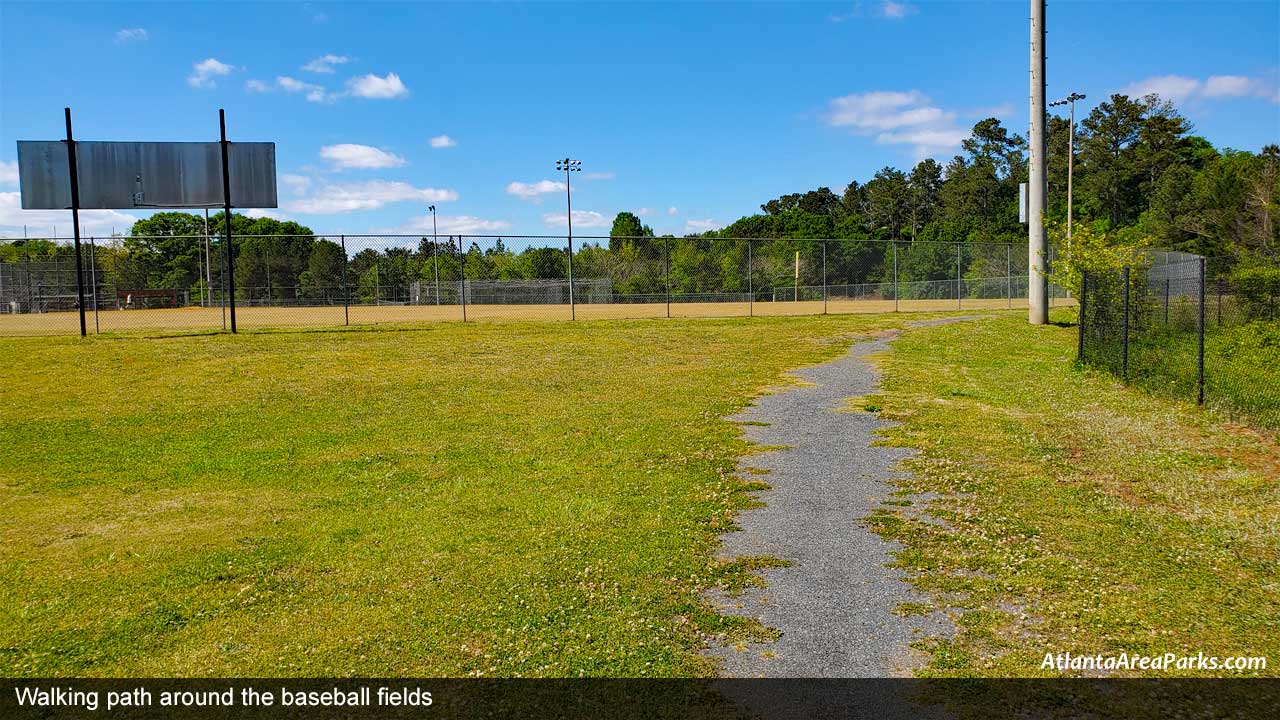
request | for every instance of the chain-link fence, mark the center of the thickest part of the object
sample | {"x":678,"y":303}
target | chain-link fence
{"x":1201,"y":329}
{"x":183,"y":284}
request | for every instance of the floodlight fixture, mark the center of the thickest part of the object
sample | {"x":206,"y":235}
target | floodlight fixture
{"x":1068,"y":99}
{"x":1071,"y":152}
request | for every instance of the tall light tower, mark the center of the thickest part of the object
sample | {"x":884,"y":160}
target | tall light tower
{"x":1037,"y":245}
{"x":569,"y":166}
{"x":1071,"y":150}
{"x":435,"y":250}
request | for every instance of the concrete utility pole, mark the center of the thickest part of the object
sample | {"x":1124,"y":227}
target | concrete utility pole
{"x":1037,"y":244}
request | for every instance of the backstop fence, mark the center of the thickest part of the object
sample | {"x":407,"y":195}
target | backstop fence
{"x":184,"y":284}
{"x":1190,"y":327}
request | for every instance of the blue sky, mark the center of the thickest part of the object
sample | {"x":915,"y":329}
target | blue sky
{"x":689,"y":114}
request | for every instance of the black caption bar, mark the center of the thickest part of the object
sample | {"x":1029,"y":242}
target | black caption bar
{"x":214,"y":699}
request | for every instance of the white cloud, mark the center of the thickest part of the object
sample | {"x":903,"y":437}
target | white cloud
{"x":531,"y":191}
{"x":895,"y":117}
{"x":317,"y":16}
{"x":349,"y":155}
{"x":1169,"y":87}
{"x":886,"y":10}
{"x":93,"y":222}
{"x":581,"y":219}
{"x":325,"y":63}
{"x":293,"y":86}
{"x":884,"y":110}
{"x":1227,"y":86}
{"x":645,"y":212}
{"x":298,"y":184}
{"x":369,"y":195}
{"x":449,"y":225}
{"x":896,"y":11}
{"x":131,"y":35}
{"x":701,"y":226}
{"x":442,"y":141}
{"x":314,"y":93}
{"x":9,"y":173}
{"x":673,"y":210}
{"x":204,"y":73}
{"x":598,"y":176}
{"x":265,"y":213}
{"x":1180,"y":88}
{"x":926,"y":141}
{"x":378,"y":88}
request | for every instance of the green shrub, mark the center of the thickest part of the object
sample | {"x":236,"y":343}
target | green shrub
{"x":1258,"y":286}
{"x":1091,"y":250}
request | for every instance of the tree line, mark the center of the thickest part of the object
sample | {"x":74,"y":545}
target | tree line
{"x":1142,"y":177}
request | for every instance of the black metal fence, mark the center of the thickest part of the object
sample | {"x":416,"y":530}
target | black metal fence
{"x":162,"y":284}
{"x":1194,"y":328}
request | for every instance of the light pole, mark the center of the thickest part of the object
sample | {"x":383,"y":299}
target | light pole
{"x":1071,"y":150}
{"x":435,"y":249}
{"x":569,"y":166}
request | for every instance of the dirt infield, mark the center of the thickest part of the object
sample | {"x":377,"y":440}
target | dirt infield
{"x":250,"y":318}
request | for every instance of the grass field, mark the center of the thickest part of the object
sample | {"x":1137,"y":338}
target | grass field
{"x":195,"y":319}
{"x":1075,"y":514}
{"x":489,"y":499}
{"x":1242,"y":379}
{"x":544,"y":498}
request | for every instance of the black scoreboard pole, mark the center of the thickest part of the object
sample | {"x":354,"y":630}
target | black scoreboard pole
{"x":229,"y":250}
{"x":75,"y":217}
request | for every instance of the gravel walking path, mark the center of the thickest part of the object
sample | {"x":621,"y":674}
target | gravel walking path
{"x":834,"y":604}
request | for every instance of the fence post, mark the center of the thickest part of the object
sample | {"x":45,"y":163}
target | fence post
{"x":751,"y":311}
{"x":666,"y":271}
{"x":573,"y":313}
{"x":462,"y":283}
{"x":222,"y":288}
{"x":1008,"y":274}
{"x":1124,"y":361}
{"x":895,"y":276}
{"x":959,"y":306}
{"x":435,"y":260}
{"x":93,"y":277}
{"x":1166,"y":302}
{"x":1200,"y":357}
{"x":1084,"y":292}
{"x":346,"y":295}
{"x":824,"y":277}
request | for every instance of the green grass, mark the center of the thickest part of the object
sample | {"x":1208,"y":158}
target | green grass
{"x":1241,"y":380}
{"x":544,"y":499}
{"x":1079,"y":515}
{"x":494,"y":499}
{"x":1242,"y":372}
